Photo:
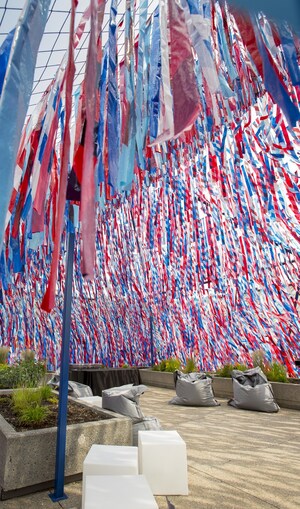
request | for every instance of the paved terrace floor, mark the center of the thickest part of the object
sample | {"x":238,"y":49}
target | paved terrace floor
{"x":236,"y":459}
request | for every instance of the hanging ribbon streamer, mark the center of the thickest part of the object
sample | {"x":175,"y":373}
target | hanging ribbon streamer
{"x":113,"y":107}
{"x":4,"y":56}
{"x":128,"y":128}
{"x":290,"y":53}
{"x":166,"y":121}
{"x":49,"y":297}
{"x":16,"y":93}
{"x":142,"y":82}
{"x":275,"y":85}
{"x":186,"y":100}
{"x":87,"y":203}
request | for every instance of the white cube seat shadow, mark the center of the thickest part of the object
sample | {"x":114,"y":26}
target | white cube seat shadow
{"x":163,"y":461}
{"x":109,"y":460}
{"x":118,"y":491}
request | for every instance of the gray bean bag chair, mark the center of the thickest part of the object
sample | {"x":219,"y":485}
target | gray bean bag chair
{"x":75,"y":389}
{"x":145,"y":424}
{"x":252,"y":391}
{"x":124,"y":400}
{"x":193,"y":389}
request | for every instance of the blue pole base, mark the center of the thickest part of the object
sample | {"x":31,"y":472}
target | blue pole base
{"x":56,"y":498}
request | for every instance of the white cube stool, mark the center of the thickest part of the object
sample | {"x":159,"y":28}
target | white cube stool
{"x":162,"y":460}
{"x":118,"y":491}
{"x":92,"y":400}
{"x":109,"y":460}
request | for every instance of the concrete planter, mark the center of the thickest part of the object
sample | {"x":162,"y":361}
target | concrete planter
{"x":287,"y":395}
{"x":27,"y":459}
{"x":222,"y":387}
{"x":157,"y":378}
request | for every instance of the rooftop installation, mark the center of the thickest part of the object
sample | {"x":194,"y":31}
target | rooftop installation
{"x":180,"y":154}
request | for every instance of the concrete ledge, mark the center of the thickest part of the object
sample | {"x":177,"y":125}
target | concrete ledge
{"x":222,"y":387}
{"x":27,"y":458}
{"x":157,"y":378}
{"x":287,"y":395}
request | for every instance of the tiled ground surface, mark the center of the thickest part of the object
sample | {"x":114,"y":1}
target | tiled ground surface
{"x":236,"y":459}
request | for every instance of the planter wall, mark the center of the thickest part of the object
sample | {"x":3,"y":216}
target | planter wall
{"x":157,"y":378}
{"x":27,"y":459}
{"x":222,"y":387}
{"x":287,"y":395}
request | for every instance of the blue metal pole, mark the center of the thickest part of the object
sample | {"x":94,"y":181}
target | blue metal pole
{"x":64,"y":375}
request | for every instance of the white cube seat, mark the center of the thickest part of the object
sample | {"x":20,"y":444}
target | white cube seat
{"x":109,"y":460}
{"x":163,"y":461}
{"x":118,"y":491}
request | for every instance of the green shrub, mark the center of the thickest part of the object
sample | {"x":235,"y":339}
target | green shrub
{"x":29,"y":404}
{"x":161,"y":366}
{"x":24,"y":374}
{"x":169,"y":365}
{"x":276,"y":372}
{"x":190,"y":366}
{"x":33,"y":415}
{"x":227,"y":369}
{"x":4,"y":351}
{"x":46,"y":392}
{"x":172,"y":365}
{"x":23,"y":398}
{"x":30,"y":373}
{"x":8,"y":376}
{"x":156,"y":367}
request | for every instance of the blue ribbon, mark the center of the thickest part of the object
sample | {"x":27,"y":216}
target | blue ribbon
{"x":102,"y":86}
{"x":155,"y":77}
{"x":290,"y":53}
{"x":274,"y":86}
{"x":4,"y":56}
{"x":113,"y":107}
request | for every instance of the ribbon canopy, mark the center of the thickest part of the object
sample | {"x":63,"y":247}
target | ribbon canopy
{"x":183,"y":168}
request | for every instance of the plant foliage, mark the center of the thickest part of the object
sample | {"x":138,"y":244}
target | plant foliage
{"x":227,"y":369}
{"x":169,"y":365}
{"x":276,"y":372}
{"x":4,"y":351}
{"x":190,"y":366}
{"x":33,"y":415}
{"x":30,"y":404}
{"x":27,"y":373}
